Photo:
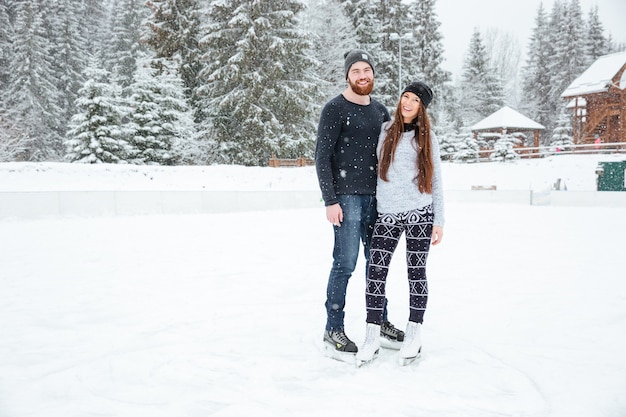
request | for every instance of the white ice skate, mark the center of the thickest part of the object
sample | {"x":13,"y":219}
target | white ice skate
{"x":371,"y":345}
{"x":412,"y":345}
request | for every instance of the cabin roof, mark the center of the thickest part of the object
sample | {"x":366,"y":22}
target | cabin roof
{"x":507,"y":118}
{"x":598,"y":77}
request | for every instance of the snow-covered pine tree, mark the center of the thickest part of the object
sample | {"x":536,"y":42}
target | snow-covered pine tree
{"x":596,"y":44}
{"x":503,"y":149}
{"x":32,"y":99}
{"x":125,"y":47}
{"x":367,"y":26}
{"x":160,"y":120}
{"x":218,"y":43}
{"x":536,"y":75}
{"x":259,"y":96}
{"x":427,"y":52}
{"x":6,"y":47}
{"x":568,"y":61}
{"x":481,"y":90}
{"x":452,"y":104}
{"x":94,"y":28}
{"x":13,"y":140}
{"x":446,"y":135}
{"x":562,"y":135}
{"x":69,"y":48}
{"x":391,"y":16}
{"x":332,"y":35}
{"x":172,"y":31}
{"x":495,"y":93}
{"x":467,"y":149}
{"x":615,"y":46}
{"x":94,"y":134}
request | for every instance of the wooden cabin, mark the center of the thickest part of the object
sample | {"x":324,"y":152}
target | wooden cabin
{"x":598,"y":101}
{"x":506,"y":120}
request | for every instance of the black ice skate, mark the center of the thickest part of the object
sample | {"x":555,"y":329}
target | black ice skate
{"x":338,"y":346}
{"x":390,"y":337}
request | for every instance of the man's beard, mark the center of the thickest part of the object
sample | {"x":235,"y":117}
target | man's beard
{"x":362,"y":90}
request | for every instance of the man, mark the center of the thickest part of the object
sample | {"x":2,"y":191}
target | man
{"x":346,"y":164}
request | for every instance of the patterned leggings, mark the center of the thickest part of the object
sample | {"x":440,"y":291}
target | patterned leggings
{"x":418,"y":225}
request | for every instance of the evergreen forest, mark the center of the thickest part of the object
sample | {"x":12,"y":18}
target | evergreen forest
{"x":174,"y":82}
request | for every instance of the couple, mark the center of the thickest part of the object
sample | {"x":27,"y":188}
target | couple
{"x":379,"y":177}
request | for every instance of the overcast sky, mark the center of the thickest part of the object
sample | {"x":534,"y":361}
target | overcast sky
{"x":459,"y":18}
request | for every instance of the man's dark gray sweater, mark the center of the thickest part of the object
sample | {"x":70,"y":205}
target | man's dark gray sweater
{"x":345,"y":152}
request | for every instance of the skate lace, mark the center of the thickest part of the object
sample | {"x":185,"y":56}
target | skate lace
{"x":389,"y":328}
{"x":340,"y":337}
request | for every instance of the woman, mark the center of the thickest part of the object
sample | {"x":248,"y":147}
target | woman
{"x":409,"y":200}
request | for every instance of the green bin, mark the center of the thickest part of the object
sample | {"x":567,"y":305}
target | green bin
{"x":610,"y":176}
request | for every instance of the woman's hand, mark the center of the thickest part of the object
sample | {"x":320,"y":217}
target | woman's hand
{"x":437,"y":235}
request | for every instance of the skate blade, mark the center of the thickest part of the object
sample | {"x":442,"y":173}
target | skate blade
{"x":390,"y":344}
{"x":346,"y":357}
{"x":407,"y":361}
{"x":360,"y":362}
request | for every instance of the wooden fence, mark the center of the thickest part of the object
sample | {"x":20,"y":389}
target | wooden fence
{"x":543,"y":151}
{"x":284,"y":162}
{"x":523,"y":152}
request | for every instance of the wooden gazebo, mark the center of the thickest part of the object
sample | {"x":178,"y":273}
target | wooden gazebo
{"x":598,"y":100}
{"x":507,"y":120}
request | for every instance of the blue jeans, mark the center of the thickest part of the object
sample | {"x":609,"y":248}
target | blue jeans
{"x":359,"y":216}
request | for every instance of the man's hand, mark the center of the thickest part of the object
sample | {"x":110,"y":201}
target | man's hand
{"x":334,"y":214}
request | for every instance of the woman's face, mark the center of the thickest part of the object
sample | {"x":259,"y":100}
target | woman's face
{"x":409,"y":106}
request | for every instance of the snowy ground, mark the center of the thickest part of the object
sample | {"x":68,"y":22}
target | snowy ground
{"x":222,"y":314}
{"x":577,"y":173}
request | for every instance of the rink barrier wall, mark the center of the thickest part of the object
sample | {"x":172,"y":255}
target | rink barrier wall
{"x":45,"y":204}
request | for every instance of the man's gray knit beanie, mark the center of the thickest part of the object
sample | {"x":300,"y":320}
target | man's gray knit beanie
{"x":354,"y":56}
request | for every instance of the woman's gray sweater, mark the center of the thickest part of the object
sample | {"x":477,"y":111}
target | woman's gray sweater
{"x":400,"y":193}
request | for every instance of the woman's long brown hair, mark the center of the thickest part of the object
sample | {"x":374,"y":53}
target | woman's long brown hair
{"x":421,"y":140}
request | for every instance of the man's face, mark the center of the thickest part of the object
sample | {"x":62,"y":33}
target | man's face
{"x":361,"y":78}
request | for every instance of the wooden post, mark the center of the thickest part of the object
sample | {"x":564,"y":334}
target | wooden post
{"x":621,"y":127}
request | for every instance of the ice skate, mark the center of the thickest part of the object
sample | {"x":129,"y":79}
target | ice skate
{"x":371,"y":345}
{"x":338,"y":346}
{"x":412,"y":345}
{"x":390,"y":337}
